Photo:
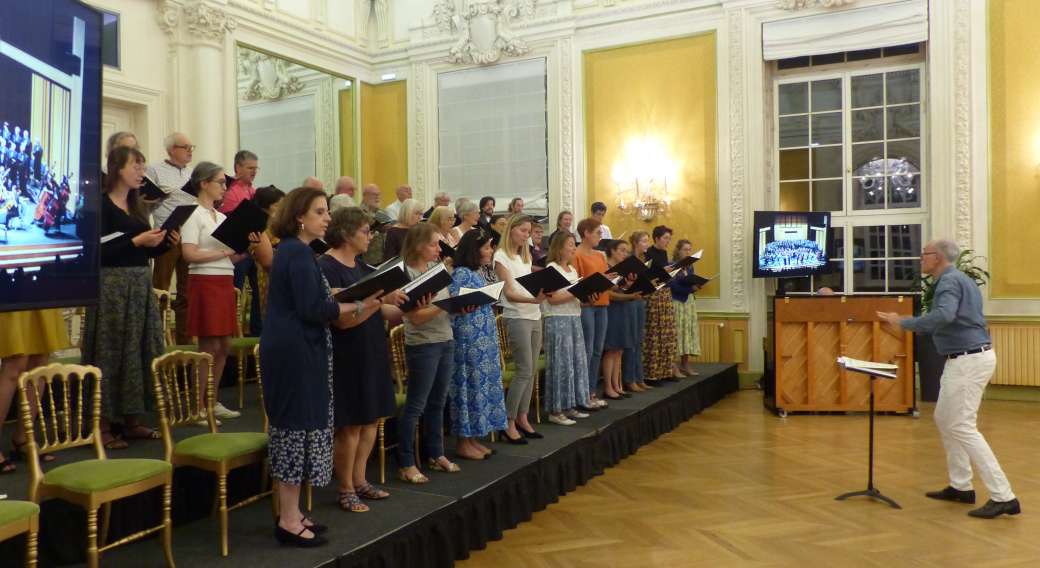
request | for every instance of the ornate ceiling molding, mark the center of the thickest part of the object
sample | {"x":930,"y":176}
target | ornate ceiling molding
{"x":208,"y":22}
{"x":268,"y":77}
{"x":483,"y":36}
{"x":795,"y":5}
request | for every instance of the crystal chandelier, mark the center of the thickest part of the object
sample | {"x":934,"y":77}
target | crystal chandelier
{"x":642,"y":179}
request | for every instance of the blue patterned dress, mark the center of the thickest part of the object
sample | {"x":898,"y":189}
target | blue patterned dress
{"x":475,"y":391}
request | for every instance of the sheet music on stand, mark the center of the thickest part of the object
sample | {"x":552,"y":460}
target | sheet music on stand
{"x":885,"y":370}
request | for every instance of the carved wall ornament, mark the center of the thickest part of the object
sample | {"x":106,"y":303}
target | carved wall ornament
{"x":807,"y":4}
{"x":381,"y":10}
{"x":736,"y":154}
{"x":268,"y":76}
{"x":483,"y":36}
{"x":208,"y":22}
{"x":444,"y":17}
{"x":167,"y":17}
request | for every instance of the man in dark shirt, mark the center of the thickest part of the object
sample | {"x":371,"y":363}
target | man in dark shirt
{"x":958,"y":329}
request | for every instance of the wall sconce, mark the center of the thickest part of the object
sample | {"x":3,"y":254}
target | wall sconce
{"x":642,"y":179}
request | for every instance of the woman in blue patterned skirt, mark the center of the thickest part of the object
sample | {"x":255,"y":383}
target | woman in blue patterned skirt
{"x":566,"y":368}
{"x":475,"y":391}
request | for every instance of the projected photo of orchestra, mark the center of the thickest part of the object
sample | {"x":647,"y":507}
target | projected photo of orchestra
{"x":791,"y":244}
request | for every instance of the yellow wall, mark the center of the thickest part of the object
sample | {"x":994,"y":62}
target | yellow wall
{"x":664,"y":90}
{"x":346,"y":132}
{"x":384,"y":137}
{"x":1014,"y":43}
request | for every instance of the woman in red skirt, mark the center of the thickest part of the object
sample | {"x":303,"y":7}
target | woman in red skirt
{"x":212,"y":313}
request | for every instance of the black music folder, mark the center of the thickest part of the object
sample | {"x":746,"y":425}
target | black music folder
{"x":645,"y":285}
{"x":694,"y":280}
{"x":320,"y":247}
{"x":390,"y":276}
{"x":688,"y":261}
{"x":179,"y":217}
{"x":246,"y":219}
{"x":430,"y":282}
{"x":447,"y":251}
{"x":630,"y":265}
{"x":594,"y":283}
{"x":380,"y":220}
{"x":547,"y":281}
{"x":541,"y":262}
{"x":471,"y":297}
{"x":151,"y":190}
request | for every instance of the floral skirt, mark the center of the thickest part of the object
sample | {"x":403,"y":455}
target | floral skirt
{"x":301,"y":455}
{"x":687,"y":333}
{"x":566,"y":369}
{"x":659,"y":343}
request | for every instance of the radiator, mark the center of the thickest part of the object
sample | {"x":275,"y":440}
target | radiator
{"x":1018,"y":354}
{"x":711,"y":342}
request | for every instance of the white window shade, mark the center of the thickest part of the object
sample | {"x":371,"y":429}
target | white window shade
{"x":850,"y":30}
{"x":284,"y":135}
{"x":492,"y":132}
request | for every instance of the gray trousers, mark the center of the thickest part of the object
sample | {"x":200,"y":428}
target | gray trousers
{"x":525,"y":341}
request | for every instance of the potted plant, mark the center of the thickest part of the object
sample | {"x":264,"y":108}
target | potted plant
{"x":929,"y":363}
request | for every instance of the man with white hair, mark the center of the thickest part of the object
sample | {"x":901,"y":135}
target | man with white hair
{"x":370,"y":195}
{"x":440,"y":199}
{"x":403,"y":192}
{"x":958,"y":329}
{"x":345,"y":185}
{"x":313,"y":183}
{"x":172,"y":174}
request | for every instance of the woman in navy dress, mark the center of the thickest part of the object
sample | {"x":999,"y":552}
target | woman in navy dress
{"x":296,"y":362}
{"x":475,"y":391}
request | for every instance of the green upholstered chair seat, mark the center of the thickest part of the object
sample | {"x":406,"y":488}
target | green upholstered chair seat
{"x":399,"y":399}
{"x":507,"y":377}
{"x":240,"y":343}
{"x":221,"y":446}
{"x":189,"y":348}
{"x":14,"y":511}
{"x":94,"y":476}
{"x":69,"y":360}
{"x":511,"y":366}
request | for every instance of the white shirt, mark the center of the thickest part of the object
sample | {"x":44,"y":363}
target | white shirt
{"x":198,"y":230}
{"x":571,"y":308}
{"x":517,"y":268}
{"x":394,"y":209}
{"x":171,"y":179}
{"x":606,"y":232}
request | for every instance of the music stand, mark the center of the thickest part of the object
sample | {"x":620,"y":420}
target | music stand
{"x":871,"y":491}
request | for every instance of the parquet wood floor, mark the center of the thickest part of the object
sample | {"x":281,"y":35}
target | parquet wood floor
{"x":738,"y":487}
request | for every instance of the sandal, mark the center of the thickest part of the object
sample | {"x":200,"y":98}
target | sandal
{"x":7,"y":467}
{"x":368,"y":491}
{"x":116,"y":443}
{"x":452,"y":467}
{"x":152,"y":434}
{"x":415,"y":480}
{"x":17,"y":454}
{"x":349,"y":501}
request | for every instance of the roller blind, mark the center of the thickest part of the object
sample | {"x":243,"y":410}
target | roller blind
{"x":850,"y":30}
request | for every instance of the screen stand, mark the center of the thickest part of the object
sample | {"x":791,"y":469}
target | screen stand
{"x":871,"y":491}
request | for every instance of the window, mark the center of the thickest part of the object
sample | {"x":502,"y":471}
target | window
{"x":110,"y":39}
{"x":851,"y":143}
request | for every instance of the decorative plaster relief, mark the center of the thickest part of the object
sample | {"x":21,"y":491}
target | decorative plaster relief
{"x":806,"y":4}
{"x":328,"y":130}
{"x":483,"y":34}
{"x":736,"y":156}
{"x":381,"y":10}
{"x":418,"y":82}
{"x":167,"y":17}
{"x":268,"y":77}
{"x":566,"y":126}
{"x":207,"y":22}
{"x":962,"y":119}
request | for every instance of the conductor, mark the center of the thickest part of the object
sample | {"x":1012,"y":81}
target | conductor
{"x":958,"y":329}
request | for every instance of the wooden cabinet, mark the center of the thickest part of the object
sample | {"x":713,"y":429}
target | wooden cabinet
{"x":811,"y":333}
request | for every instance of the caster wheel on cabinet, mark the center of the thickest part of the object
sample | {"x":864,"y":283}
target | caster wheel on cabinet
{"x":782,"y":413}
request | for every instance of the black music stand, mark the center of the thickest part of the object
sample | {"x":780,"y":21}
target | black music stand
{"x":871,"y":491}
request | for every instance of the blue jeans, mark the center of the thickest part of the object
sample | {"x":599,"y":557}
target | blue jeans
{"x":594,"y":328}
{"x":429,"y":371}
{"x":632,"y":359}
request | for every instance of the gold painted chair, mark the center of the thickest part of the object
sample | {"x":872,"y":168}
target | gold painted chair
{"x":169,"y":321}
{"x":21,"y":517}
{"x":242,"y":346}
{"x":399,"y":372}
{"x":176,"y":390}
{"x":92,"y":484}
{"x":509,"y":369}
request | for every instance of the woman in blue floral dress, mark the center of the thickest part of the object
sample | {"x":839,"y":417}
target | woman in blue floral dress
{"x":475,"y":392}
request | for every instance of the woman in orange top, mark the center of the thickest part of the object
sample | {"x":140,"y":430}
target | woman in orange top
{"x":588,"y":260}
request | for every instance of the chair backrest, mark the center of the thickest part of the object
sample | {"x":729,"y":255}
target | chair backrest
{"x":166,"y":309}
{"x":242,"y":301}
{"x":55,"y":394}
{"x":398,"y":361}
{"x":260,"y":387}
{"x":177,"y":378}
{"x":503,"y":337}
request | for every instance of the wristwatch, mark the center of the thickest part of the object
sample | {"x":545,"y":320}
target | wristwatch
{"x":360,"y":309}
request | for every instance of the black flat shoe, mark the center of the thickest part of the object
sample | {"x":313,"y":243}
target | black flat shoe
{"x":669,"y":380}
{"x":993,"y":509}
{"x":285,"y":537}
{"x":515,"y":441}
{"x":608,"y":397}
{"x":587,"y":408}
{"x":316,"y":529}
{"x":626,"y":394}
{"x":531,"y":435}
{"x":951,"y":494}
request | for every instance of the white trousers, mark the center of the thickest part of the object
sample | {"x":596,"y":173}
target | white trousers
{"x":963,"y":381}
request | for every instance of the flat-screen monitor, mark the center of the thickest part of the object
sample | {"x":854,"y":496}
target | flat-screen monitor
{"x":791,"y":243}
{"x":50,"y":153}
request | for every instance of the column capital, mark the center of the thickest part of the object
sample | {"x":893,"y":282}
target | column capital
{"x":208,"y":22}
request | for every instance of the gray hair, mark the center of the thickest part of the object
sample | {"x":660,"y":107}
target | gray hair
{"x":205,"y":171}
{"x":408,"y":208}
{"x":441,"y":195}
{"x":243,"y":155}
{"x":467,"y":208}
{"x":459,"y":202}
{"x":170,"y":141}
{"x":341,"y":201}
{"x":948,"y":248}
{"x":115,"y":139}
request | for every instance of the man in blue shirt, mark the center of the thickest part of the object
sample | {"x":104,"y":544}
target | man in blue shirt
{"x":958,"y":329}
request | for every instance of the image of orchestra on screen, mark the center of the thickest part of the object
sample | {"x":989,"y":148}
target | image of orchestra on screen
{"x":791,"y":243}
